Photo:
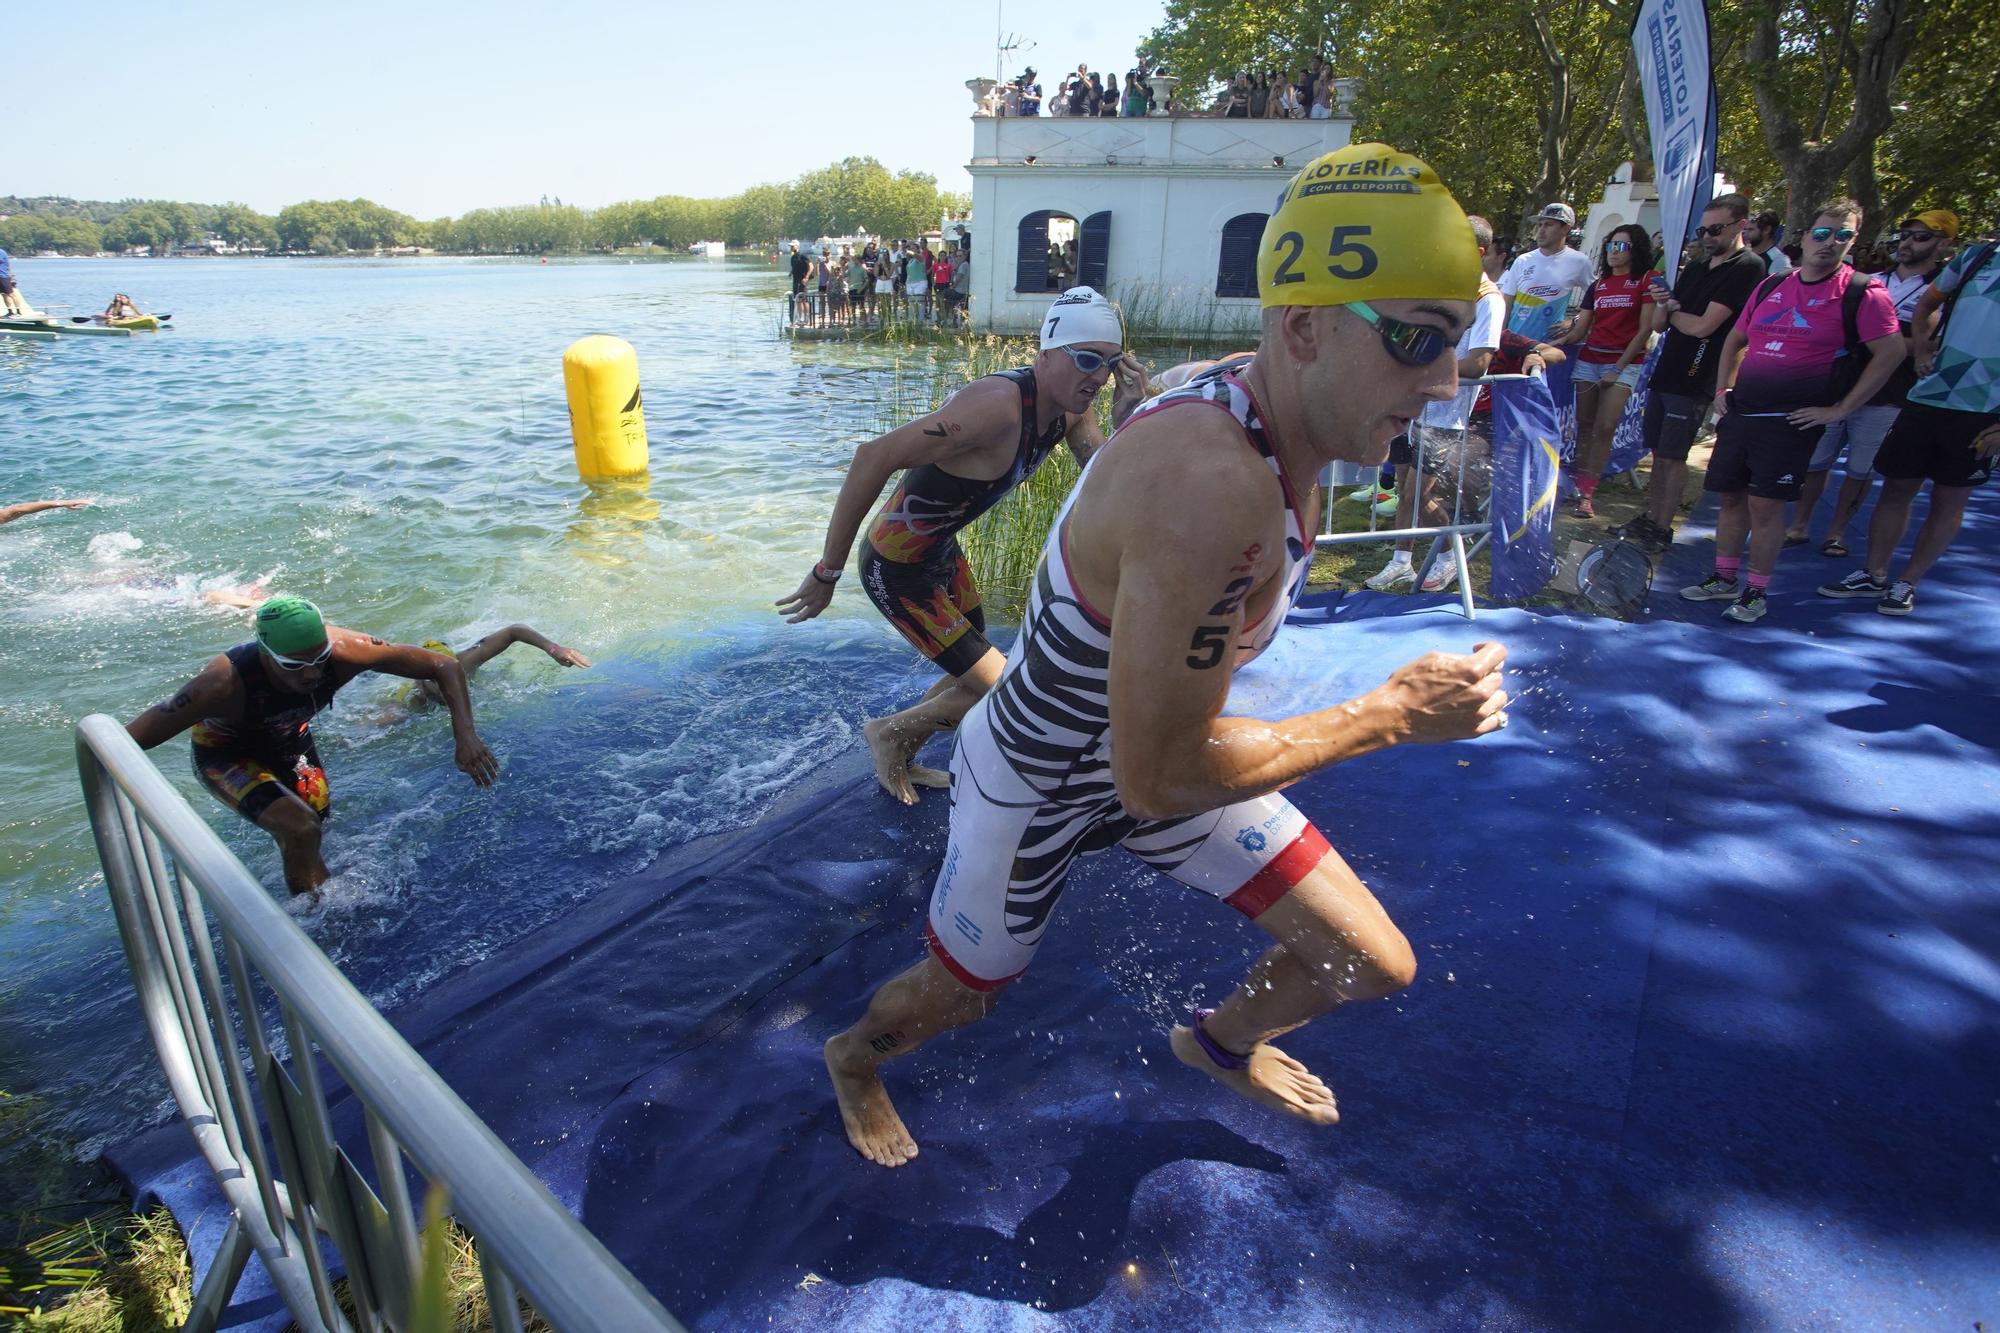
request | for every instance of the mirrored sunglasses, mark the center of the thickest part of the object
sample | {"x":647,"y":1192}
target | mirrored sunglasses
{"x":1411,"y":344}
{"x":1829,"y":234}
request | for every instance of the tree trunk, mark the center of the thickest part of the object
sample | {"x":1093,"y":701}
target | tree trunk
{"x":1554,"y":112}
{"x":1814,"y":168}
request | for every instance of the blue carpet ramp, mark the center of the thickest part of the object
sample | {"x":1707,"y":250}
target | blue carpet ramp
{"x":1706,"y":1033}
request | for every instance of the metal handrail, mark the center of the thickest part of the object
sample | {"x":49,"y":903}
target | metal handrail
{"x":1448,"y":539}
{"x":171,"y":879}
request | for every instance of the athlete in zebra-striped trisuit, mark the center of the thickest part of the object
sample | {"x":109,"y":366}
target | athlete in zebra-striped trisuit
{"x":957,"y":462}
{"x":1179,"y":552}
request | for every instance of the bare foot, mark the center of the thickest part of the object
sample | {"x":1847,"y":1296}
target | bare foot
{"x":1272,"y":1078}
{"x":892,"y":761}
{"x":873,"y":1126}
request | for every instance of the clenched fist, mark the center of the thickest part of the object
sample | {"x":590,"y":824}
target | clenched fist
{"x":1450,"y":696}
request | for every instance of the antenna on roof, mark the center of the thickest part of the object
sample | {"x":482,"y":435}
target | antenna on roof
{"x":1004,"y":44}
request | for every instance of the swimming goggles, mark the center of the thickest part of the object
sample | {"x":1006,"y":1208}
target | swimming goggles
{"x":1090,"y":362}
{"x":1829,"y":234}
{"x":295,"y":664}
{"x":1411,"y":344}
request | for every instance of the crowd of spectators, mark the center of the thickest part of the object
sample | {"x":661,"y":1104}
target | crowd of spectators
{"x":1306,"y":93}
{"x":900,"y":280}
{"x":1840,"y":371}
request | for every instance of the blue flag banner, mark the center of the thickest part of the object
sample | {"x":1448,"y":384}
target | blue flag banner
{"x":1562,"y":392}
{"x":1670,"y":49}
{"x":1628,"y":441}
{"x":1527,"y":463}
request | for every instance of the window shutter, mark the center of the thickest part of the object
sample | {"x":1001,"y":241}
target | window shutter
{"x":1031,"y":260}
{"x":1093,"y":251}
{"x":1236,"y":269}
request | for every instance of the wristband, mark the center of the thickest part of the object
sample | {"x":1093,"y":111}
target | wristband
{"x":825,"y":575}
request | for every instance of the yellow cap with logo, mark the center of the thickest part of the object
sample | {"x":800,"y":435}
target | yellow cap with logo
{"x":1366,"y":223}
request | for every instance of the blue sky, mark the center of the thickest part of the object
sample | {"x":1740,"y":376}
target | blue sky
{"x":442,"y":106}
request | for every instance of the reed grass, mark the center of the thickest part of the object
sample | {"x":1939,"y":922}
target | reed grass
{"x":111,"y":1272}
{"x":1005,"y":544}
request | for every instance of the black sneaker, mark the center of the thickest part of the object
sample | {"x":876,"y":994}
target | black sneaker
{"x":1714,"y":588}
{"x":1899,"y":600}
{"x":1747,"y":608}
{"x":1632,"y":529}
{"x":1656,"y":538}
{"x":1858,"y":584}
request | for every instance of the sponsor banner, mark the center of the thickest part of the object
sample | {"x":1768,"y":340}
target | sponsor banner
{"x":1562,"y":392}
{"x":1628,"y":441}
{"x":1527,"y":462}
{"x":1670,"y":44}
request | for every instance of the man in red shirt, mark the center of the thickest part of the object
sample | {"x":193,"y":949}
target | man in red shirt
{"x":1782,"y":384}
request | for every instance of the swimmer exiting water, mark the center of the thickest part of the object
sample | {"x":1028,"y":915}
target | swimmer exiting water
{"x":957,"y":462}
{"x":252,"y":707}
{"x":1177,"y":557}
{"x":426,"y":692}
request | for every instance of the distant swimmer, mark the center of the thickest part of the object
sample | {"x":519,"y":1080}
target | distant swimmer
{"x":8,"y":513}
{"x":251,"y":709}
{"x":1175,"y":560}
{"x":957,"y":462}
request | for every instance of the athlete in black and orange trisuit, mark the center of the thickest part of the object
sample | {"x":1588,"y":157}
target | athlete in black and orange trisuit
{"x":252,"y":708}
{"x":957,"y":462}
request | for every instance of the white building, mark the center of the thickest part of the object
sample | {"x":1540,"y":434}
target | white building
{"x":1165,"y":212}
{"x":1627,"y":200}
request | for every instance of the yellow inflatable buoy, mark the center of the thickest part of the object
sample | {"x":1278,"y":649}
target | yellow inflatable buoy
{"x":601,"y":380}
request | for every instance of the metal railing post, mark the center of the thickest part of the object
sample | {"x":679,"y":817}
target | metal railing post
{"x":172,"y":883}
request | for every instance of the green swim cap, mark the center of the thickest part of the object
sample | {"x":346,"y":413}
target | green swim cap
{"x":287,"y":625}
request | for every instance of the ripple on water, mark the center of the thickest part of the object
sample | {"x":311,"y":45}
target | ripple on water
{"x":392,"y":440}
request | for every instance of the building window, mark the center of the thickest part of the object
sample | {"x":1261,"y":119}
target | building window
{"x":1046,"y":260}
{"x":1236,"y":268}
{"x":1094,"y":255}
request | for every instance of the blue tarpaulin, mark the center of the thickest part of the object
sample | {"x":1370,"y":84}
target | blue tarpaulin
{"x":1706,"y":1033}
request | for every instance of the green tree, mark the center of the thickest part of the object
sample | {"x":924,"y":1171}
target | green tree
{"x":241,"y":225}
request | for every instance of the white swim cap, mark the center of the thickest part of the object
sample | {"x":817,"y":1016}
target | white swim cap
{"x":1081,"y":315}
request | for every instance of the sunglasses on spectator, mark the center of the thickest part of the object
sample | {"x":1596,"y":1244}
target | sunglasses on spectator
{"x":1618,"y":245}
{"x":1717,"y":228}
{"x":1411,"y":344}
{"x":1829,"y":234}
{"x":301,"y":664}
{"x":1090,"y":362}
{"x":1918,"y":236}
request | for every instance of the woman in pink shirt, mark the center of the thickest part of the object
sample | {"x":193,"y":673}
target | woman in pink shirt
{"x":1614,"y":328}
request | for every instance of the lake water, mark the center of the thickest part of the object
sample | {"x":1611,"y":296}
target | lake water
{"x":391,"y":440}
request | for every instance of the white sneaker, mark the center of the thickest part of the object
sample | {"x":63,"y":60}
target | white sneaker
{"x":1396,"y":576}
{"x":1444,"y":573}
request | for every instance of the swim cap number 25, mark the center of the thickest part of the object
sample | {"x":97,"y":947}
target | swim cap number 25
{"x":1391,"y":231}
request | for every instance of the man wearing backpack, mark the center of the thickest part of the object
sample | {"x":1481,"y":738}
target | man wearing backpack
{"x":1787,"y":372}
{"x":1947,"y":433}
{"x":1923,"y":247}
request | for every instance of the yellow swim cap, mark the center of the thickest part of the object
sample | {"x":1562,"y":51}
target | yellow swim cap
{"x":1366,"y":223}
{"x":437,"y":646}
